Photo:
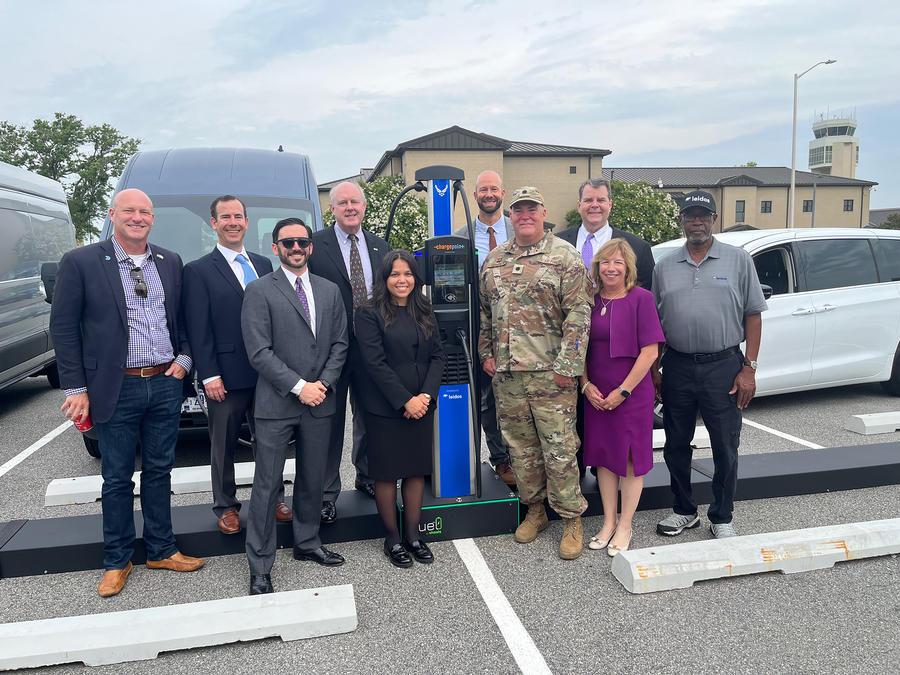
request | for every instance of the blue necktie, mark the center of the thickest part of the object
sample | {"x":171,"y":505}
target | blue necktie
{"x":249,"y":272}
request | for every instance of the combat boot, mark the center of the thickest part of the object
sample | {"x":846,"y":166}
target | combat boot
{"x":535,"y":521}
{"x":572,"y":543}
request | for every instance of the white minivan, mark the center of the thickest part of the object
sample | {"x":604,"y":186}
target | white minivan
{"x":834,"y":308}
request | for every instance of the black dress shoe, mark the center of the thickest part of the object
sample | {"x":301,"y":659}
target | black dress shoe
{"x":260,"y":584}
{"x":329,"y":512}
{"x":367,"y":489}
{"x":320,"y":555}
{"x":420,"y":551}
{"x":398,"y":555}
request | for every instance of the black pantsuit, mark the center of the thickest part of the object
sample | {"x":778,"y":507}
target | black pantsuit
{"x":688,"y":387}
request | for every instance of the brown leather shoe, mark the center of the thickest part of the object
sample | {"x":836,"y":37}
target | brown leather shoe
{"x":506,"y":474}
{"x":230,"y":522}
{"x":283,"y":513}
{"x":113,"y":581}
{"x":177,"y":562}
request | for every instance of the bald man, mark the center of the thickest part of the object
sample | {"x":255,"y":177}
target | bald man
{"x":492,"y":228}
{"x":122,"y":354}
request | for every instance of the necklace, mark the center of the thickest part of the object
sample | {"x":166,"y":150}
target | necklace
{"x":607,"y":303}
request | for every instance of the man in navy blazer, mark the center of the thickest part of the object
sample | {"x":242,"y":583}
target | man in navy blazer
{"x":213,"y":296}
{"x":122,"y":354}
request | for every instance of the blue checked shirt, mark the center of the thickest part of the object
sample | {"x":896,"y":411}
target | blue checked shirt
{"x":149,"y":343}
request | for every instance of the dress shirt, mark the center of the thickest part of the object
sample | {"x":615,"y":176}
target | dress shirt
{"x":235,"y":266}
{"x":601,"y":236}
{"x":149,"y":343}
{"x":344,"y":242}
{"x":483,"y":239}
{"x":304,"y":279}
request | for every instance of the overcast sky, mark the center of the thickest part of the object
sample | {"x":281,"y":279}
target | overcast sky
{"x":658,"y":83}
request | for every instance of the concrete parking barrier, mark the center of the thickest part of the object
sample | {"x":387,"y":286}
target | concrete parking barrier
{"x":874,"y":423}
{"x":701,"y":438}
{"x":664,"y":568}
{"x":187,"y":479}
{"x":141,"y":634}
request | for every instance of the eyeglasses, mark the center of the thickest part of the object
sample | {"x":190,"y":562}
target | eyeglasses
{"x":291,"y":242}
{"x":705,"y":217}
{"x":140,"y":286}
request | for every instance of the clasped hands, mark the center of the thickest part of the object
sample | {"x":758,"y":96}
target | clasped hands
{"x":313,"y":393}
{"x":600,"y":402}
{"x":416,"y":407}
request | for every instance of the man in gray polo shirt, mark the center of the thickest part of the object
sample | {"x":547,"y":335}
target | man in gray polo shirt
{"x":709,"y":301}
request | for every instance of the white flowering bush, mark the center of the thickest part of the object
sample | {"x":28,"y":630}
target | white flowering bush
{"x":644,"y":210}
{"x":410,"y":227}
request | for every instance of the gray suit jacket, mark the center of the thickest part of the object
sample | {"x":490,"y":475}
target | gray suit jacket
{"x":463,"y":231}
{"x":281,"y":346}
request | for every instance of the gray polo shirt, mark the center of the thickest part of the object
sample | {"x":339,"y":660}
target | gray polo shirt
{"x":702,"y":306}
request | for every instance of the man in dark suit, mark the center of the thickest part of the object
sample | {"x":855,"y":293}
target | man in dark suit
{"x":295,"y":331}
{"x":350,"y":257}
{"x":122,"y":353}
{"x":213,"y":294}
{"x":594,"y":204}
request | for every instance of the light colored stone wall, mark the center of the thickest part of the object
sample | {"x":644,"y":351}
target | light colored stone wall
{"x":552,"y":177}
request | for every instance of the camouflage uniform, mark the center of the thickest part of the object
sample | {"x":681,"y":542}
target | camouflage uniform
{"x":535,"y":319}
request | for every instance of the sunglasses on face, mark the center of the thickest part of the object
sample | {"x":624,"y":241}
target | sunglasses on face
{"x":140,"y":286}
{"x":291,"y":242}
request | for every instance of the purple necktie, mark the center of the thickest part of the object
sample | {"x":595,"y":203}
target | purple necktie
{"x":587,"y":253}
{"x":301,"y":294}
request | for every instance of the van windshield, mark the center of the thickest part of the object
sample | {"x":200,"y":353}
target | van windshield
{"x":181,"y":223}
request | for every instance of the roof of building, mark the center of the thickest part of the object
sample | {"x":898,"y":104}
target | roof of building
{"x":719,"y":176}
{"x":362,"y":176}
{"x":458,"y":138}
{"x":878,"y":216}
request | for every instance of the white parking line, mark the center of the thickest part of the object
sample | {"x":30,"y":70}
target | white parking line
{"x":33,"y":448}
{"x":763,"y":427}
{"x":524,"y":651}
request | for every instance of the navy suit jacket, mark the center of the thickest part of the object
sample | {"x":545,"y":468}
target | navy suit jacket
{"x":212,"y":299}
{"x":89,"y":321}
{"x":642,"y":252}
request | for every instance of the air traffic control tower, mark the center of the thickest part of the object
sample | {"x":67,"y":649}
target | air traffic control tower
{"x":835,"y":149}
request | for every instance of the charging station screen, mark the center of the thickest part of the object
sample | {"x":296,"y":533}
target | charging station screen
{"x":450,"y":272}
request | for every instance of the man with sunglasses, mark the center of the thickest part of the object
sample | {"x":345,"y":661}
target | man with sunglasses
{"x":122,"y":354}
{"x":295,"y":332}
{"x":709,"y":301}
{"x":213,"y":295}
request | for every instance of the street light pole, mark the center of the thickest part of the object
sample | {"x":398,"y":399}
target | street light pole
{"x":792,"y":193}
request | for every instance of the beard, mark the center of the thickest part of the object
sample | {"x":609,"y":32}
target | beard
{"x":489,"y":208}
{"x":285,"y":259}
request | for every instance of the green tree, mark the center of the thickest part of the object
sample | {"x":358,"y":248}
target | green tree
{"x":573,"y":218}
{"x":892,"y":222}
{"x":84,"y":158}
{"x":750,"y":163}
{"x":643,"y":210}
{"x":410,"y":227}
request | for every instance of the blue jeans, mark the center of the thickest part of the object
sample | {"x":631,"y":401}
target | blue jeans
{"x":148,"y":411}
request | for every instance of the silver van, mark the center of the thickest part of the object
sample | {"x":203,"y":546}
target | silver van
{"x":35,"y":230}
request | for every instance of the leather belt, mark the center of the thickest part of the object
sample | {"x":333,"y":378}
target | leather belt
{"x":148,"y":371}
{"x":706,"y":358}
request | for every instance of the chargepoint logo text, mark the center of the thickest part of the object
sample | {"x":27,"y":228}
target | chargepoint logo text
{"x":433,"y":528}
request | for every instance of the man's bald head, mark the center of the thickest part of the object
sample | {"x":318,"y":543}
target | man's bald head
{"x":129,"y":194}
{"x":489,"y":194}
{"x":131,"y":214}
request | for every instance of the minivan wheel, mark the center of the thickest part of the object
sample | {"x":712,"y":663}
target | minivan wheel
{"x":892,"y":386}
{"x":92,"y":445}
{"x":52,"y":375}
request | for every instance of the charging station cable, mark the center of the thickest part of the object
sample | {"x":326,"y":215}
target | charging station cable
{"x":418,"y":186}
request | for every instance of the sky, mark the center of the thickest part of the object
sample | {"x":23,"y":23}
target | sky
{"x":657,"y":83}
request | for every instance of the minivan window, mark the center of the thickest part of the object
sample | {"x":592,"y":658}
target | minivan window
{"x":773,"y":269}
{"x":837,"y":263}
{"x":888,"y":252}
{"x":29,"y":240}
{"x":181,"y":223}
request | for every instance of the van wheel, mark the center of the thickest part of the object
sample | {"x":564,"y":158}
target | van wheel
{"x":93,"y":446}
{"x":892,"y":386}
{"x":52,"y":376}
{"x":657,"y":415}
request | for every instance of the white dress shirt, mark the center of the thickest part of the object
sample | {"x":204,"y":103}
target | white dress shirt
{"x":304,"y":279}
{"x":344,"y":242}
{"x":601,"y":236}
{"x":483,"y":238}
{"x":230,"y":257}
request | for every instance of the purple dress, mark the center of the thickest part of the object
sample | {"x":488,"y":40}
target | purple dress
{"x":616,"y":340}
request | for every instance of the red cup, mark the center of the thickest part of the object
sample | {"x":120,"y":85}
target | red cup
{"x":84,"y":424}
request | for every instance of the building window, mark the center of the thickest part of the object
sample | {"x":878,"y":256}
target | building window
{"x":739,"y":207}
{"x":765,"y":206}
{"x":573,"y":169}
{"x":816,"y":156}
{"x":848,"y":205}
{"x":807,"y":205}
{"x":828,"y":154}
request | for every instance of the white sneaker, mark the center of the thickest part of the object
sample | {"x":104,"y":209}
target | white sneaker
{"x":723,"y":530}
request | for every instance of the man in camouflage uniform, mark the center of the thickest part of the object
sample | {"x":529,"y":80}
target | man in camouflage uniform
{"x":535,"y":318}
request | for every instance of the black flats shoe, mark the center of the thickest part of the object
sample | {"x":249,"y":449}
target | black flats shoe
{"x":398,"y":555}
{"x":420,"y":551}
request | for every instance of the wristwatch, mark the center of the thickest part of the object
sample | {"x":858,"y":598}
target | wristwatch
{"x":325,"y":383}
{"x":751,"y":364}
{"x":426,"y":395}
{"x":625,"y":393}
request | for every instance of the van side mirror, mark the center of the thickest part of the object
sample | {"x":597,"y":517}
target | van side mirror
{"x":767,"y":291}
{"x":48,"y":276}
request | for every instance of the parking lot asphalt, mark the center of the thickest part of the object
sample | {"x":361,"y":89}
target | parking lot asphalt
{"x":579,"y":617}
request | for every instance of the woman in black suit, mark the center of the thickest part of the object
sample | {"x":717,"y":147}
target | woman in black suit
{"x":402,"y":364}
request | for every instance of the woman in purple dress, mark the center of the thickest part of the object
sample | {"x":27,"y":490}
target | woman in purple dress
{"x":618,"y":392}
